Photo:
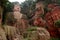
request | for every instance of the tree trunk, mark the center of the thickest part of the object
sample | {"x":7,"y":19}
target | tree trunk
{"x":1,"y":12}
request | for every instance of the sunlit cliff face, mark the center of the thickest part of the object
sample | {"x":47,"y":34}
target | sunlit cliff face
{"x":17,"y":8}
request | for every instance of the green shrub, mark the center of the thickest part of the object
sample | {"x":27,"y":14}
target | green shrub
{"x":57,"y":23}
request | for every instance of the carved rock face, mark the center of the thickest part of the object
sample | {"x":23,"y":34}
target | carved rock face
{"x":39,"y":22}
{"x":17,"y":8}
{"x":39,"y":4}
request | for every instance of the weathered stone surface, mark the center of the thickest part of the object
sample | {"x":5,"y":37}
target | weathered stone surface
{"x":12,"y":33}
{"x":39,"y":34}
{"x":2,"y":34}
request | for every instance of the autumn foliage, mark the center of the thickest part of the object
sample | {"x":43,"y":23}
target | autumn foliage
{"x":49,"y":20}
{"x":51,"y":17}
